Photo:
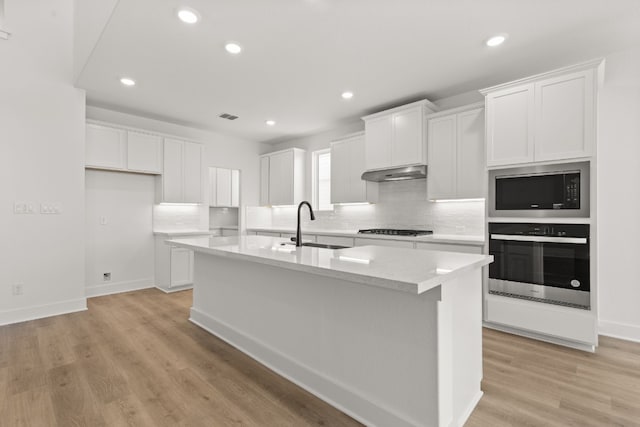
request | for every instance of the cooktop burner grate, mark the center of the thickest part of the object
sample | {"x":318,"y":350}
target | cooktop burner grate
{"x":395,"y":232}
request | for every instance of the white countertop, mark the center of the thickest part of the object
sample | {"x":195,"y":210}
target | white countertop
{"x":408,"y":270}
{"x":456,"y":239}
{"x":188,"y":232}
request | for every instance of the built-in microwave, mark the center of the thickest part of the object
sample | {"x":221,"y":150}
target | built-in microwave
{"x":540,"y":191}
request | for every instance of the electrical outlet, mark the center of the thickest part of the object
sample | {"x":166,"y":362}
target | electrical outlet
{"x":17,"y":289}
{"x":20,"y":208}
{"x":103,"y":220}
{"x":106,"y":277}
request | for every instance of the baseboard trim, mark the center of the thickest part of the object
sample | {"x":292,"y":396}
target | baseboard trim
{"x":467,"y":412}
{"x":622,"y":331}
{"x":25,"y":314}
{"x":540,"y":337}
{"x":119,"y":287}
{"x":327,"y":389}
{"x":175,"y":289}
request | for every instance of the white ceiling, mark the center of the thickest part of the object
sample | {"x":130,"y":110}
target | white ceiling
{"x":300,"y":55}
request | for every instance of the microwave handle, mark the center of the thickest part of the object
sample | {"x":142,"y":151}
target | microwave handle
{"x":541,"y":239}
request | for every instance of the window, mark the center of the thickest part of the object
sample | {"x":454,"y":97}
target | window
{"x":321,"y":180}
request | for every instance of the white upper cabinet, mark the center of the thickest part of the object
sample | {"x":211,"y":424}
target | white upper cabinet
{"x":510,"y":126}
{"x":224,"y":187}
{"x":543,"y":118}
{"x":456,"y":154}
{"x":105,"y":147}
{"x":182,"y":172}
{"x":565,"y":116}
{"x":144,"y":152}
{"x":347,"y":166}
{"x":264,"y":180}
{"x":397,"y":137}
{"x":284,"y":171}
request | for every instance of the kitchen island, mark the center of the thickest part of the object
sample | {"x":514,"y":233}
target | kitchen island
{"x":390,"y":336}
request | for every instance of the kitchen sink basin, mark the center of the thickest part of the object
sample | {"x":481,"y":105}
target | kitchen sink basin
{"x":317,"y":245}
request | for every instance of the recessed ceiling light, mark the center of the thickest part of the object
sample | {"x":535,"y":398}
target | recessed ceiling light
{"x":347,"y":95}
{"x":496,"y":40}
{"x":270,"y":122}
{"x":233,"y":48}
{"x":127,"y":81}
{"x":188,"y":16}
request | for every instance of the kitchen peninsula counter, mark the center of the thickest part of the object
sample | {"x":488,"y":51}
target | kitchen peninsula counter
{"x":390,"y":336}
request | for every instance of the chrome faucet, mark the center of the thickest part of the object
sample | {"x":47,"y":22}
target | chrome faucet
{"x":298,"y":231}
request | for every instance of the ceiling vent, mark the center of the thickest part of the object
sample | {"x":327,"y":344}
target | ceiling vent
{"x":227,"y":116}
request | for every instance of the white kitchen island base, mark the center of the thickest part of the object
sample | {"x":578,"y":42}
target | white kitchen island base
{"x":385,"y":357}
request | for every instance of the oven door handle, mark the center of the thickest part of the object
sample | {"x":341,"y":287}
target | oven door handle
{"x":541,"y":239}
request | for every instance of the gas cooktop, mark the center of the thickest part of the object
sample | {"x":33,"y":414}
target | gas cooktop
{"x":395,"y":232}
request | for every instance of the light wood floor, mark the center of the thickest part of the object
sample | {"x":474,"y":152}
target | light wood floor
{"x":134,"y":360}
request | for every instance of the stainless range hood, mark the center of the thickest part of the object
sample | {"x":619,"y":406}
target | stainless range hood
{"x":396,"y":174}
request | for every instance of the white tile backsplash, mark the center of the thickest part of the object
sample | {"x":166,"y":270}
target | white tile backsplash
{"x":180,"y":217}
{"x":220,"y":217}
{"x":402,"y":204}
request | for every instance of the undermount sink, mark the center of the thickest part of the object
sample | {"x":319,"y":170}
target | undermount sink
{"x":317,"y":245}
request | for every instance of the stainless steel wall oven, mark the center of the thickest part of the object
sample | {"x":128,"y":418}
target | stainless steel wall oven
{"x":541,"y":262}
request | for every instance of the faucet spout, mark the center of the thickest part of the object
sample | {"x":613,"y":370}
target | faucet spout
{"x":298,"y":231}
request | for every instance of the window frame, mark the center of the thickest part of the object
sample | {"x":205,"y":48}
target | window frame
{"x":315,"y":181}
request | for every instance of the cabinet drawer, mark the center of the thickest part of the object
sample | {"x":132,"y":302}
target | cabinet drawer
{"x":450,"y":247}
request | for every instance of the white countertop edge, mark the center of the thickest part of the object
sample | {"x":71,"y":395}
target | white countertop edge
{"x":410,"y":287}
{"x":432,"y":238}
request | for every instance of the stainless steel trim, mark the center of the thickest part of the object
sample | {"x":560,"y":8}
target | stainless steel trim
{"x":396,"y":174}
{"x":585,"y":181}
{"x":541,"y":239}
{"x":541,"y":293}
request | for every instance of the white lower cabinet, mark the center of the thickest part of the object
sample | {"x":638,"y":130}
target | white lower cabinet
{"x":267,"y":233}
{"x":181,"y":267}
{"x":226,"y":232}
{"x":384,"y":242}
{"x":173,"y":265}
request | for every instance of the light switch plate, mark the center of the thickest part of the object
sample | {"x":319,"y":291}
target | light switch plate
{"x":50,"y":208}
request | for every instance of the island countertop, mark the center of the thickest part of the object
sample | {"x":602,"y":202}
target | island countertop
{"x":409,"y":270}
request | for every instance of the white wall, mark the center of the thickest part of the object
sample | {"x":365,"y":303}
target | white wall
{"x":118,"y":227}
{"x":41,"y":160}
{"x":618,"y":183}
{"x":220,"y":150}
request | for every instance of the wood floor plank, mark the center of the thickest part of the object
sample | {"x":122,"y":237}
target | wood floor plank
{"x":134,"y":359}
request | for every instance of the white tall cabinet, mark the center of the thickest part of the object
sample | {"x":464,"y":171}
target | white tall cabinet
{"x":543,"y":118}
{"x":282,"y":177}
{"x":456,"y":154}
{"x":347,"y":166}
{"x":397,"y":137}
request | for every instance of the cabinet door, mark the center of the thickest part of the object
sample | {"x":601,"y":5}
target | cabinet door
{"x":357,"y":187}
{"x":441,"y":173}
{"x":510,"y":119}
{"x":471,"y":177}
{"x":264,"y":180}
{"x":408,"y":138}
{"x":223,"y":185}
{"x":144,"y":152}
{"x":213,"y":186}
{"x":192,"y":173}
{"x":105,"y":147}
{"x":181,"y":267}
{"x":281,"y":178}
{"x":340,"y":172}
{"x":565,"y":117}
{"x":172,"y":175}
{"x":378,"y":135}
{"x":235,"y":188}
